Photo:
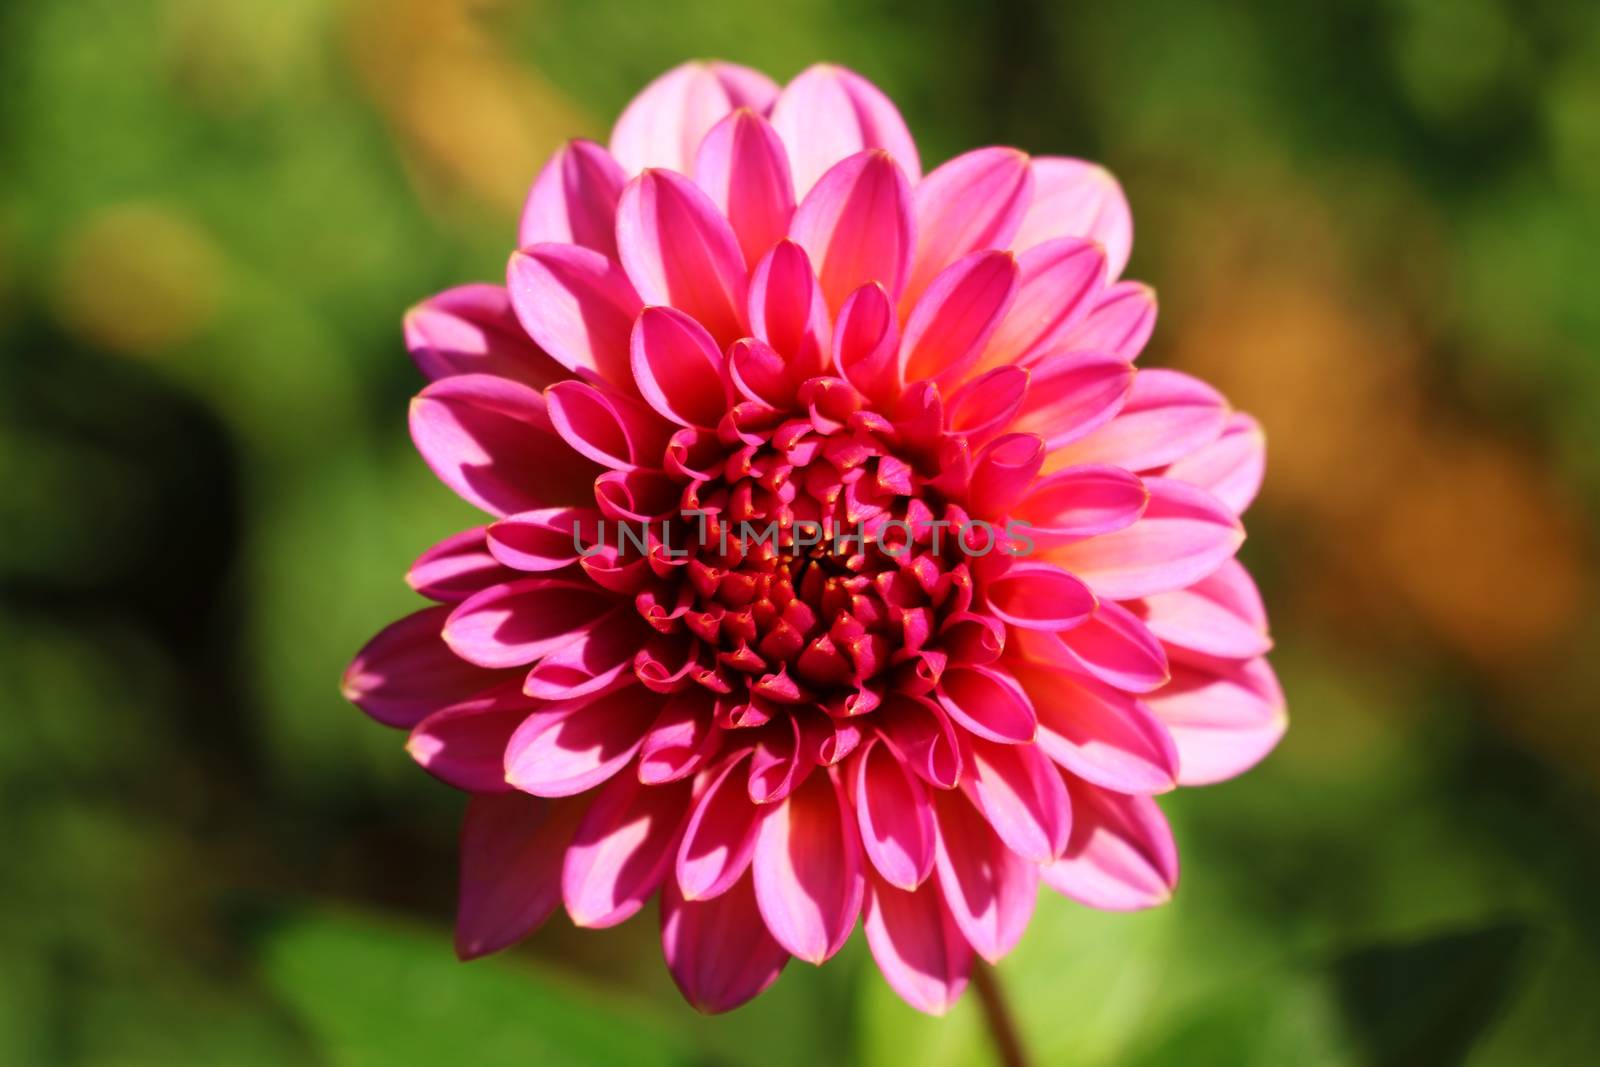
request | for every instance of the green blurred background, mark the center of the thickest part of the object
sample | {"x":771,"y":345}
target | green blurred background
{"x":1375,"y":224}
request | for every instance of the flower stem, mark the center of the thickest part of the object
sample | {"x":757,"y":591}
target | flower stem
{"x":997,"y":1015}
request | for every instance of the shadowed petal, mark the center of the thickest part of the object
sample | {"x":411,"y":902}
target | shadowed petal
{"x":621,"y":850}
{"x":787,"y":310}
{"x":464,"y":745}
{"x":1111,"y":645}
{"x":1098,"y":732}
{"x":664,"y":124}
{"x":578,"y":304}
{"x":922,"y":953}
{"x":1020,"y":794}
{"x":1121,"y":856}
{"x":568,"y":749}
{"x":516,"y":623}
{"x":574,"y":200}
{"x":542,"y":540}
{"x":615,"y":431}
{"x":1037,"y":596}
{"x":972,"y":203}
{"x":743,"y":168}
{"x":895,"y":817}
{"x":721,"y":835}
{"x":828,"y":113}
{"x":989,"y":703}
{"x":511,"y":846}
{"x":407,"y":672}
{"x":866,"y":343}
{"x":857,"y":227}
{"x":807,"y":869}
{"x":1059,"y":284}
{"x":1071,"y":394}
{"x":457,"y":567}
{"x":679,"y":251}
{"x":1072,"y":198}
{"x":678,"y":368}
{"x":954,"y":318}
{"x":1224,"y":717}
{"x":989,"y":889}
{"x":1081,"y":502}
{"x":472,"y":329}
{"x":718,"y":950}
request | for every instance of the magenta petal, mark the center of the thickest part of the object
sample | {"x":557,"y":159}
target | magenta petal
{"x":678,"y":368}
{"x":787,"y":310}
{"x":987,"y":404}
{"x":1037,"y":596}
{"x":562,"y":750}
{"x":578,"y":304}
{"x":596,"y":658}
{"x":807,"y":869}
{"x":1120,"y":324}
{"x":1220,"y":615}
{"x":828,"y":113}
{"x":574,"y":200}
{"x":718,"y":950}
{"x":464,"y":745}
{"x":1098,"y":732}
{"x":407,"y":672}
{"x":615,"y":431}
{"x":490,"y":440}
{"x":543,"y":540}
{"x":922,"y":953}
{"x":1071,"y":394}
{"x":1121,"y":856}
{"x":1020,"y":793}
{"x":1059,"y":284}
{"x":1081,"y":502}
{"x":665,"y":123}
{"x":989,"y":889}
{"x":989,"y":703}
{"x":1167,"y":415}
{"x":621,"y":850}
{"x":866,"y":343}
{"x":1111,"y":645}
{"x":511,"y":847}
{"x":457,"y":567}
{"x":680,"y":740}
{"x":1072,"y":198}
{"x":972,"y":203}
{"x":857,"y":227}
{"x":923,"y":736}
{"x":1229,"y":468}
{"x":472,"y":329}
{"x":895,"y":817}
{"x":679,"y":251}
{"x":1183,"y":535}
{"x":1224,"y":718}
{"x":742,"y":166}
{"x":721,"y":835}
{"x":954,"y":318}
{"x":1003,"y":471}
{"x":516,"y":623}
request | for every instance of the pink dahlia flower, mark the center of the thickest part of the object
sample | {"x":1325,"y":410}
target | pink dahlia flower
{"x":841,"y":563}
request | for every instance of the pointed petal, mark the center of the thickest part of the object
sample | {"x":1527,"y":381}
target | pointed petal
{"x":954,"y":318}
{"x":511,"y":846}
{"x":743,"y":168}
{"x":807,"y":869}
{"x":1071,"y":394}
{"x":1072,"y":198}
{"x":828,"y":113}
{"x":787,"y":310}
{"x":989,"y":703}
{"x":973,"y":203}
{"x":1120,"y":324}
{"x":565,"y":750}
{"x":1020,"y":793}
{"x":718,"y":951}
{"x":464,"y":745}
{"x":1229,"y":468}
{"x":407,"y":672}
{"x":678,"y":368}
{"x":1060,"y":282}
{"x":1003,"y":472}
{"x":665,"y":123}
{"x":1121,"y":857}
{"x":1081,"y":502}
{"x":594,"y":659}
{"x":923,"y":736}
{"x":1167,"y":415}
{"x":866,"y":343}
{"x":578,"y":305}
{"x":922,"y":953}
{"x":989,"y":889}
{"x":1221,"y":615}
{"x":1183,"y":535}
{"x":457,"y":567}
{"x":895,"y":817}
{"x":721,"y":835}
{"x":1099,"y":733}
{"x":857,"y":227}
{"x":1224,"y":718}
{"x":1112,"y":645}
{"x":516,"y":623}
{"x":680,"y":740}
{"x":613,"y":430}
{"x":472,"y":329}
{"x":543,"y":540}
{"x":679,"y":251}
{"x":1037,"y":596}
{"x":574,"y":200}
{"x":621,"y":850}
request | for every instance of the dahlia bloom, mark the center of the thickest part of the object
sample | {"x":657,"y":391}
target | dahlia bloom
{"x":840,"y":560}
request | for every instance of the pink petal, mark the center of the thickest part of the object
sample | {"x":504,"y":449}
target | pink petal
{"x":543,"y":540}
{"x":680,"y":740}
{"x":579,"y":306}
{"x":1059,"y":284}
{"x":1120,"y":324}
{"x":1098,"y":732}
{"x":973,"y":203}
{"x":718,"y":950}
{"x":987,"y":404}
{"x":922,"y":953}
{"x":787,"y":310}
{"x":595,"y":659}
{"x":989,"y":889}
{"x":665,"y":123}
{"x":1112,"y":645}
{"x":464,"y":745}
{"x":1224,"y":718}
{"x":613,"y":430}
{"x":1073,"y":393}
{"x":1037,"y":596}
{"x":1081,"y":502}
{"x":1003,"y":472}
{"x":742,"y":166}
{"x":516,"y":623}
{"x":1183,"y":535}
{"x":857,"y":227}
{"x":1220,"y":615}
{"x":895,"y":817}
{"x":989,"y":703}
{"x":827,"y":114}
{"x":1072,"y":198}
{"x":1020,"y":793}
{"x":457,"y":567}
{"x":472,"y":329}
{"x":491,"y":441}
{"x":721,"y":835}
{"x":678,"y":368}
{"x":574,"y":200}
{"x":407,"y":672}
{"x":1121,"y":856}
{"x":679,"y":251}
{"x":1229,"y":468}
{"x":1167,"y":415}
{"x":954,"y":318}
{"x":620,"y":852}
{"x":922,"y":735}
{"x":866,"y":343}
{"x":563,"y":750}
{"x":511,"y":846}
{"x":807,"y":869}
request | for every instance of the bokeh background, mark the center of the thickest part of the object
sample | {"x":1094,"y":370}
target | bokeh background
{"x":1375,"y":224}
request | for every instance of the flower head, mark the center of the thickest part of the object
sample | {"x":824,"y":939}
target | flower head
{"x":841,"y":562}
